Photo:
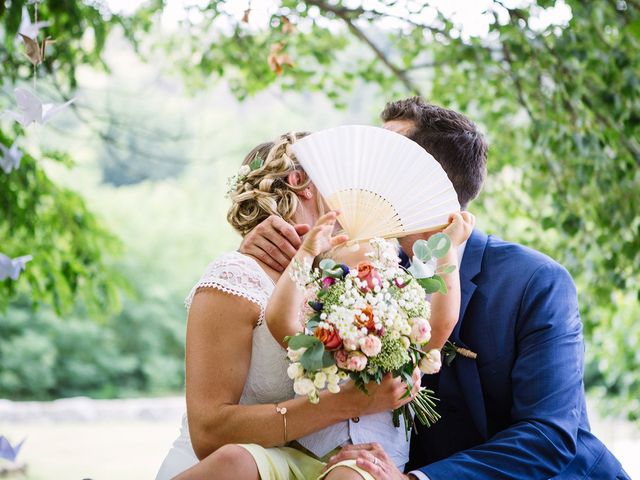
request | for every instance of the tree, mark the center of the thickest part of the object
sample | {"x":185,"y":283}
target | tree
{"x":37,"y":217}
{"x":560,"y":102}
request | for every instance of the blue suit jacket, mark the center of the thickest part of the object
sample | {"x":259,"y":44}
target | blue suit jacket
{"x":517,"y":411}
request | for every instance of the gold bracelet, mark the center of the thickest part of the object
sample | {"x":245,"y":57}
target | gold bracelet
{"x":283,"y":411}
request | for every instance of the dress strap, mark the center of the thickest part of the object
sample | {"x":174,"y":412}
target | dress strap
{"x":236,"y":274}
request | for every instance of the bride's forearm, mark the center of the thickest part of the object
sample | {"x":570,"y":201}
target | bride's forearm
{"x":445,"y":308}
{"x":283,"y":310}
{"x":263,"y":425}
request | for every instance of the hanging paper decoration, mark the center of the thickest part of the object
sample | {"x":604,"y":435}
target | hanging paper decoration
{"x":10,"y":159}
{"x":277,"y":58}
{"x":33,"y":110}
{"x":8,"y":451}
{"x":33,"y":50}
{"x":11,"y":268}
{"x":29,"y":29}
{"x":287,"y":27}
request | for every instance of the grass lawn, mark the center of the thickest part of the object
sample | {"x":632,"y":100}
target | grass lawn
{"x":131,"y":450}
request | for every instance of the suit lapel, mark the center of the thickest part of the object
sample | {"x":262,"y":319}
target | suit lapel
{"x":469,"y":269}
{"x":466,"y":369}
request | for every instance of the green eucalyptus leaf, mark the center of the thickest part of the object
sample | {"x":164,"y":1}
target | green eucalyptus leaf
{"x":313,"y":358}
{"x":422,"y":250}
{"x":430,"y":285}
{"x":302,"y":341}
{"x":439,"y":243}
{"x":327,"y":264}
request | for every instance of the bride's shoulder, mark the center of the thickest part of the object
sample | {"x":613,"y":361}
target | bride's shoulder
{"x":236,"y":274}
{"x":232,"y":266}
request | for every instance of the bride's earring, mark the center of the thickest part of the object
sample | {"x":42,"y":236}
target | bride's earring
{"x":308,"y":194}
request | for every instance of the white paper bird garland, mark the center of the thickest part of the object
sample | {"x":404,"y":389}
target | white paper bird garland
{"x":32,"y":109}
{"x":30,"y":29}
{"x":10,"y":159}
{"x":8,"y":451}
{"x":11,"y":268}
{"x":34,"y":50}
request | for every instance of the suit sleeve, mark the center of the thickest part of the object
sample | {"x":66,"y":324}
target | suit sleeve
{"x":546,"y":390}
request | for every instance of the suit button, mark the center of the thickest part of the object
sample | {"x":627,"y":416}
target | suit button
{"x":355,"y":419}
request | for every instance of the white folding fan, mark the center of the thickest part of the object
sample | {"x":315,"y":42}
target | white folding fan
{"x":384,"y":184}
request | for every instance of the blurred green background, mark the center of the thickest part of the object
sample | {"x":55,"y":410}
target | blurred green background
{"x":120,"y":199}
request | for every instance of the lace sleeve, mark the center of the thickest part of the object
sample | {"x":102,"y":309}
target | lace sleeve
{"x":239,"y":275}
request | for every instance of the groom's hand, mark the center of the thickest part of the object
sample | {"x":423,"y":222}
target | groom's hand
{"x":372,"y":458}
{"x":274,"y":242}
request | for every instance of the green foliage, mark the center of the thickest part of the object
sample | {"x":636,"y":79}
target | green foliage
{"x":393,"y":355}
{"x":80,"y":30}
{"x":68,"y":243}
{"x":560,"y":104}
{"x":37,"y":217}
{"x":44,"y":356}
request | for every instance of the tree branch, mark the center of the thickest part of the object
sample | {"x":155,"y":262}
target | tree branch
{"x":348,"y":16}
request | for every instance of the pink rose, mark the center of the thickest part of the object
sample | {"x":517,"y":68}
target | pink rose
{"x":356,"y":362}
{"x":367,"y":273}
{"x":420,"y":331}
{"x":371,"y":345}
{"x":341,"y":357}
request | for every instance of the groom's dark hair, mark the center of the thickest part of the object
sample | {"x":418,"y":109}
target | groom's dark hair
{"x":450,"y":137}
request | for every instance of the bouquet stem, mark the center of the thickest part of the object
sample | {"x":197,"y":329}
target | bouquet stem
{"x":421,"y":407}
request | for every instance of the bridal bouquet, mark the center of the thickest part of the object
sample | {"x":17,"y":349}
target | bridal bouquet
{"x":368,"y":322}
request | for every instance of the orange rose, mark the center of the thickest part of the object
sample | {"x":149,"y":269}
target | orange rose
{"x":329,"y":337}
{"x":368,"y":321}
{"x":367,"y":273}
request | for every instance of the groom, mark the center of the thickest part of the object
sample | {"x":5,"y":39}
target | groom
{"x":518,"y":410}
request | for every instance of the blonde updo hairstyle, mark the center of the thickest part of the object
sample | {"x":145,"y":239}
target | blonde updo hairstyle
{"x":265,"y":191}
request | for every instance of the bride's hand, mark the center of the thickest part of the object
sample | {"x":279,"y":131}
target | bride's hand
{"x":320,"y":238}
{"x":460,"y":227}
{"x":383,"y":397}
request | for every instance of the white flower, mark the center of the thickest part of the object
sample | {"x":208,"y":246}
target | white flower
{"x":320,"y":380}
{"x":294,"y":355}
{"x":333,"y":387}
{"x":244,"y":170}
{"x":431,"y":362}
{"x":295,"y":371}
{"x":423,"y":270}
{"x":303,"y":386}
{"x":330,"y":370}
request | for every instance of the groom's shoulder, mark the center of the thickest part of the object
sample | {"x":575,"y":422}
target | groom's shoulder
{"x":525,"y":259}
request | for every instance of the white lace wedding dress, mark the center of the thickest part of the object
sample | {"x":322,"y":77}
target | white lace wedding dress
{"x":267,"y":380}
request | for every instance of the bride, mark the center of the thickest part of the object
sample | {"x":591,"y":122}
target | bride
{"x":237,"y":388}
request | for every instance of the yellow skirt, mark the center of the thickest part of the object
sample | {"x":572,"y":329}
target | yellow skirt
{"x":286,"y":463}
